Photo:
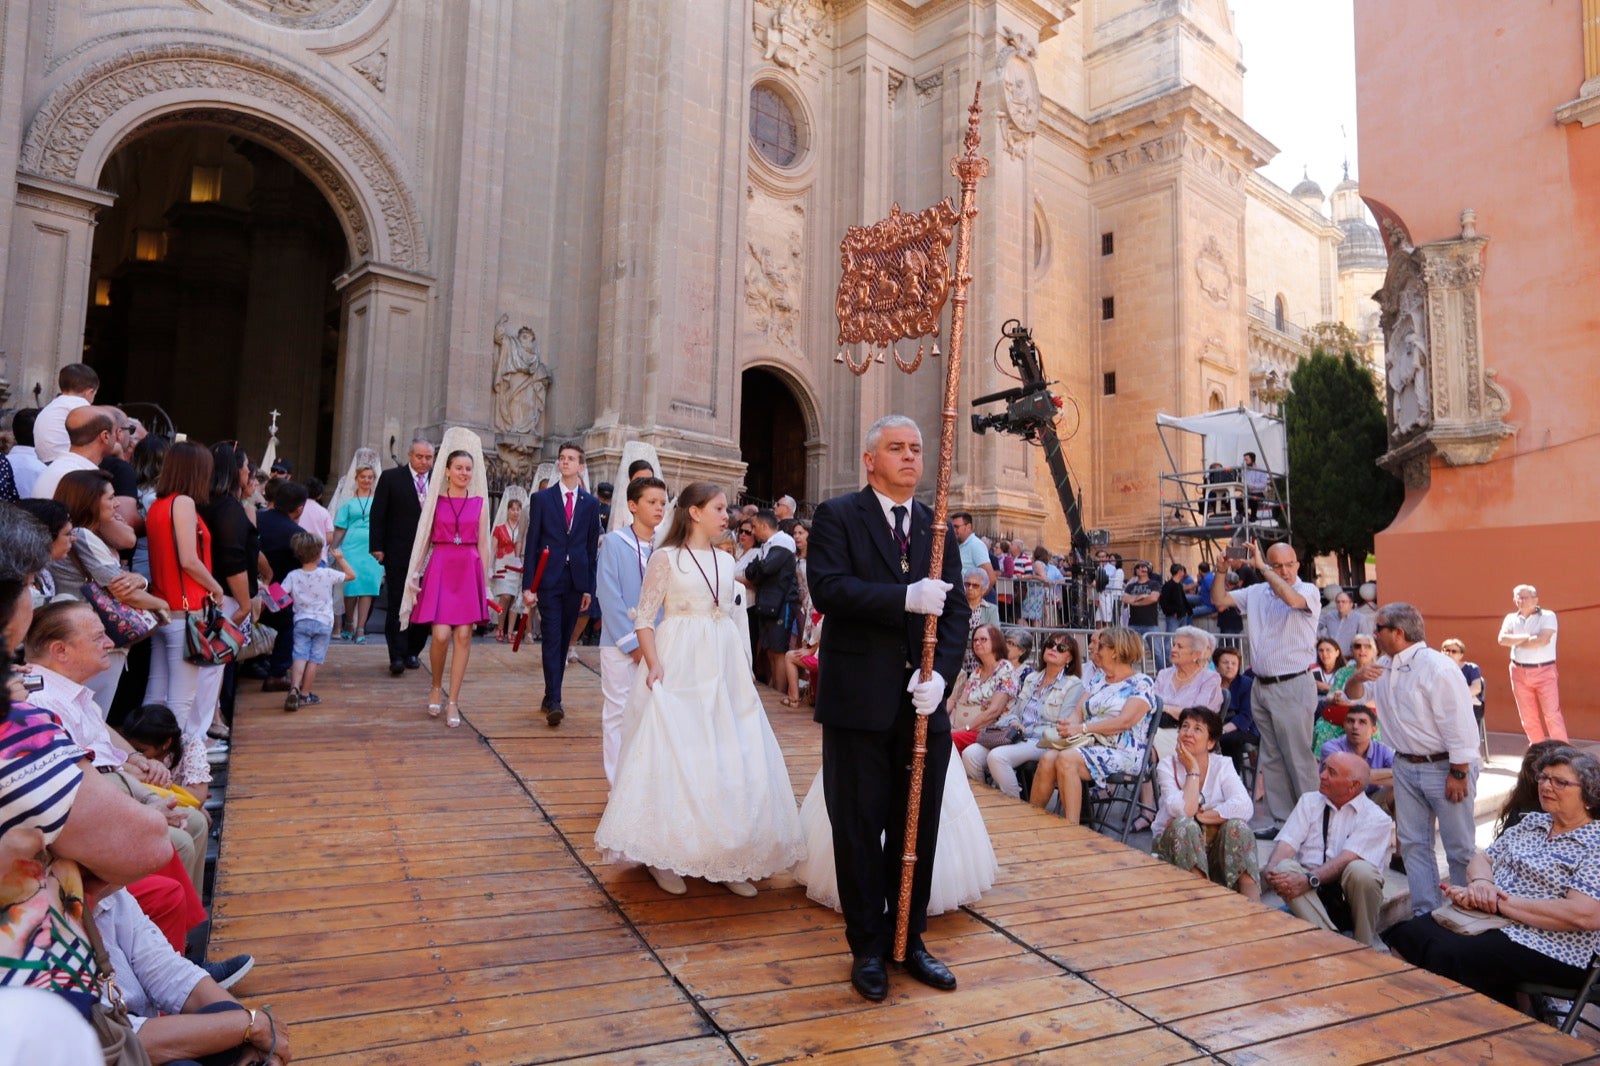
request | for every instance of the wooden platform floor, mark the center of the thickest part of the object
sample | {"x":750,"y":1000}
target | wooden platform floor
{"x":415,"y":894}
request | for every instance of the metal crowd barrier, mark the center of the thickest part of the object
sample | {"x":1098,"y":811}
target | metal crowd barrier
{"x":1156,"y":644}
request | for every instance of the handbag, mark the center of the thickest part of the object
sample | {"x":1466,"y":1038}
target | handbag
{"x":119,"y":1044}
{"x":999,"y":736}
{"x":209,"y":638}
{"x":1467,"y":923}
{"x":125,"y":625}
{"x":263,"y":638}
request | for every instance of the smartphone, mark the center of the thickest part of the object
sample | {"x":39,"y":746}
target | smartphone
{"x":1236,"y":551}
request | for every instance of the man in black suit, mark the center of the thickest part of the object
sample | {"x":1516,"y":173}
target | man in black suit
{"x":396,"y":510}
{"x":865,"y":564}
{"x":565,"y":521}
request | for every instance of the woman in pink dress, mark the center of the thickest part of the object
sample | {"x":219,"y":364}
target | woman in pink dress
{"x":448,"y":588}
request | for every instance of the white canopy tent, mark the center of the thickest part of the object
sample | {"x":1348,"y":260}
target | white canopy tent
{"x":1229,"y":434}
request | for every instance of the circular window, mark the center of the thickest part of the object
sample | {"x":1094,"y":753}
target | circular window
{"x":773,"y":128}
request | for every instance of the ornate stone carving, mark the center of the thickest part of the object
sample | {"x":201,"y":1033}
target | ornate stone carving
{"x":773,"y":273}
{"x":1020,"y":93}
{"x":928,"y":84}
{"x":521,"y":381}
{"x":374,"y":66}
{"x":1442,"y":399}
{"x":78,"y":109}
{"x":302,"y":14}
{"x":1212,"y":269}
{"x":1163,"y":149}
{"x":786,"y":28}
{"x":897,"y":81}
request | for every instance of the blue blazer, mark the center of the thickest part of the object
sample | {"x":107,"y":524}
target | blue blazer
{"x":572,"y":551}
{"x":618,"y":585}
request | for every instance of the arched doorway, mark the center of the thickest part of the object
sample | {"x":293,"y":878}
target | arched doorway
{"x":212,"y":291}
{"x":772,"y":437}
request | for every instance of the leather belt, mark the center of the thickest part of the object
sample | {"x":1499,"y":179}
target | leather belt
{"x":1532,"y":666}
{"x":1438,"y":756}
{"x":1280,"y":678}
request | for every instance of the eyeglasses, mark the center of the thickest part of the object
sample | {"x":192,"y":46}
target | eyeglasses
{"x":1555,"y":782}
{"x":1054,"y":645}
{"x":1380,"y":629}
{"x":1454,"y":651}
{"x":973,"y":584}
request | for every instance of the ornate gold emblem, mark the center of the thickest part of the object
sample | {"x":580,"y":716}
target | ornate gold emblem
{"x":895,"y":283}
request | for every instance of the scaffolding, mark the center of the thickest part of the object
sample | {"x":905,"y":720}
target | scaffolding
{"x":1227,"y":501}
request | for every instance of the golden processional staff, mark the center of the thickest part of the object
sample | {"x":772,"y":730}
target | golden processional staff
{"x":896,"y":279}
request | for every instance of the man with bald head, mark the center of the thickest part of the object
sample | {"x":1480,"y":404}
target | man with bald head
{"x":1329,"y":860}
{"x":1281,"y":621}
{"x":92,"y":434}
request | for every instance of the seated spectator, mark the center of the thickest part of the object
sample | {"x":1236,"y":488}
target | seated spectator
{"x":1360,"y":738}
{"x":1454,"y":648}
{"x":1330,"y":855}
{"x":1524,"y":797}
{"x":982,"y":694}
{"x":1203,"y":821}
{"x":1114,"y":716}
{"x":1019,"y":652}
{"x":1042,"y":701}
{"x":975,"y":582}
{"x":1238,"y":728}
{"x":1188,"y":682}
{"x":1543,"y":877}
{"x":802,"y":658}
{"x":179,"y":1013}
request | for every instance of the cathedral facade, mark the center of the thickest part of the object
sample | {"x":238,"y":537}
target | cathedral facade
{"x":618,"y":220}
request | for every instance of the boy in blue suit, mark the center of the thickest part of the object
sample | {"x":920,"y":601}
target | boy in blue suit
{"x":563,"y":521}
{"x":623,"y":556}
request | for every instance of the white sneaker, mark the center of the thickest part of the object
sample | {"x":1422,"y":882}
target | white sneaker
{"x":669,"y":882}
{"x":741,"y":888}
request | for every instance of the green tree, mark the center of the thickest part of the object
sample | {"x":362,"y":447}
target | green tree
{"x":1336,"y":427}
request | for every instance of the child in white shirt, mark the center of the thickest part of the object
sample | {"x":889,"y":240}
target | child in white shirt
{"x":313,"y":587}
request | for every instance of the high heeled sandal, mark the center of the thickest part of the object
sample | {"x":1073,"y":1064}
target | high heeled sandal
{"x":435,"y":708}
{"x":453,"y":719}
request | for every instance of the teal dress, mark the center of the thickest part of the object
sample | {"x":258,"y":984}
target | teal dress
{"x":355,"y":518}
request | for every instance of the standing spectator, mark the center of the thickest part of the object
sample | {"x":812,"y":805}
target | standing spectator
{"x":1329,"y":859}
{"x":1176,"y":611}
{"x":396,"y":510}
{"x":278,"y":525}
{"x":973,"y":552}
{"x":1530,"y":633}
{"x":1108,"y":581}
{"x":563,"y":521}
{"x":1282,"y":615}
{"x":1427,"y":717}
{"x":770,"y":577}
{"x":784,"y":508}
{"x":91,"y":432}
{"x":235,"y":555}
{"x":1038,"y":584}
{"x":1141,"y":598}
{"x":1470,"y":672}
{"x":78,"y":384}
{"x":124,"y":479}
{"x":26,"y":466}
{"x":317,"y":519}
{"x":1344,"y":623}
{"x":315,"y":588}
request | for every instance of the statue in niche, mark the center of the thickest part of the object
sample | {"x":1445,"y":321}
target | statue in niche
{"x":521,"y":380}
{"x":1408,"y":364}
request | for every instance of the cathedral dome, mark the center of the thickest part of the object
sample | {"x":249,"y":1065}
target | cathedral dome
{"x":1307,"y":188}
{"x":1361,"y":246}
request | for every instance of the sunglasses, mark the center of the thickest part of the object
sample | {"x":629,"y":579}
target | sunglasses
{"x":1055,"y":646}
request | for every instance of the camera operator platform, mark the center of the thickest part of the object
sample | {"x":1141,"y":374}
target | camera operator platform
{"x":1241,"y":492}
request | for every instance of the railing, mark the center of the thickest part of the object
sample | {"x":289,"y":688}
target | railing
{"x":1157,"y":645}
{"x":1260,"y":312}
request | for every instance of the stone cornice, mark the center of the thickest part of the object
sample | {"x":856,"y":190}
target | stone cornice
{"x":1047,"y":15}
{"x":1271,"y":195}
{"x":1062,"y":125}
{"x":1585,"y":110}
{"x":1194,"y":108}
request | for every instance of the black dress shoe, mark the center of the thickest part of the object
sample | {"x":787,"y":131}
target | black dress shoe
{"x":276,"y":684}
{"x":1269,"y":833}
{"x":413,"y":663}
{"x":869,"y":978}
{"x":929,"y":970}
{"x":553,"y":714}
{"x":397,"y":667}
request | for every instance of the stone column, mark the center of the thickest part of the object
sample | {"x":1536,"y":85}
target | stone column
{"x":382,"y":355}
{"x":47,"y":290}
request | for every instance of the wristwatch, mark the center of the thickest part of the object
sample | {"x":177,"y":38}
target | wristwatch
{"x":1459,"y":775}
{"x":1314,"y":881}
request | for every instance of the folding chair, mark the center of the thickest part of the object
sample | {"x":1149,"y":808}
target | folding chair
{"x":1544,"y":1010}
{"x":1115,"y":813}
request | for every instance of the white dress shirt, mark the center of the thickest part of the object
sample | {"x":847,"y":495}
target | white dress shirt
{"x":1220,"y":790}
{"x":1359,"y":826}
{"x":80,"y":715}
{"x":44,"y":486}
{"x":50,"y":438}
{"x":1426,"y":706}
{"x":26,"y":466}
{"x":888,"y":506}
{"x":1283,"y":639}
{"x":1536,"y":623}
{"x":153,"y":978}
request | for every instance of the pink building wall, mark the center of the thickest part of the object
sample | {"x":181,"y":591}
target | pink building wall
{"x":1456,"y":101}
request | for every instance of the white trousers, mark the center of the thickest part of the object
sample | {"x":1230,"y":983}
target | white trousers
{"x":617,"y":671}
{"x":190,"y":692}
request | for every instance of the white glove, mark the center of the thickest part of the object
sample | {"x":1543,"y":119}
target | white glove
{"x":927,"y":596}
{"x":925,"y":695}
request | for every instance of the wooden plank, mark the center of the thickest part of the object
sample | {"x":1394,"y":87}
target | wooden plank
{"x":1531,"y":1045}
{"x":1387,"y":1036}
{"x":1294,"y":979}
{"x":1229,"y":957}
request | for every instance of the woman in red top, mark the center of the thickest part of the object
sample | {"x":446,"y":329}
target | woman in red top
{"x":180,"y":573}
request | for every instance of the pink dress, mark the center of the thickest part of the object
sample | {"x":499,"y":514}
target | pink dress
{"x":453,"y":592}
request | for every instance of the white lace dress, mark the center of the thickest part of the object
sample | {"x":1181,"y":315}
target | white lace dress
{"x":702,"y":788}
{"x":964,"y":866}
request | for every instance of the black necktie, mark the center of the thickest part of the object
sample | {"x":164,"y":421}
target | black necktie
{"x":900,"y":536}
